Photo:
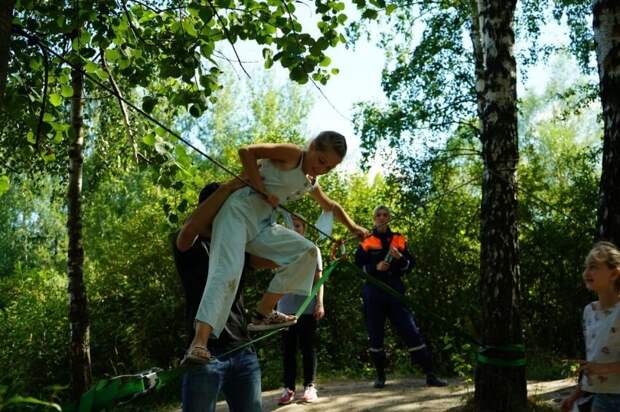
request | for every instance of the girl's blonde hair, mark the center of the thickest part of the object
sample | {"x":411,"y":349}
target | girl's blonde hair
{"x":327,"y":140}
{"x":607,"y":253}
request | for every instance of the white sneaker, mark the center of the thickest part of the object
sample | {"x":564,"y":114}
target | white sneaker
{"x":274,"y":320}
{"x":287,"y":397}
{"x":310,"y":394}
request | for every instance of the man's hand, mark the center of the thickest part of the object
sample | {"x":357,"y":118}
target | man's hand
{"x":395,"y":253}
{"x":383,"y":266}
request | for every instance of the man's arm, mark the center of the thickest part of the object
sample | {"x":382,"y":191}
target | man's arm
{"x":403,"y":260}
{"x":199,"y":222}
{"x":363,"y":261}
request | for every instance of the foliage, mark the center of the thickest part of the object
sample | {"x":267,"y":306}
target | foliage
{"x":135,"y":299}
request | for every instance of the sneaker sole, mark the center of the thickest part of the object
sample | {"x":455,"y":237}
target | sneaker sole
{"x":258,"y":328}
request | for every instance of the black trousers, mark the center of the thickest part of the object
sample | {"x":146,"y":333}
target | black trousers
{"x":303,"y":333}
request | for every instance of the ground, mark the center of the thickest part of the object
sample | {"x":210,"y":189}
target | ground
{"x":400,"y":395}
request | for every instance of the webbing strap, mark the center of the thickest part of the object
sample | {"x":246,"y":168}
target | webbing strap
{"x":502,"y":363}
{"x":483,"y":356}
{"x":109,"y":392}
{"x":516,"y":355}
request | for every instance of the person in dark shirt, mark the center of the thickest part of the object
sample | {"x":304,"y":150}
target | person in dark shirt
{"x":236,"y":374}
{"x":384,"y":255}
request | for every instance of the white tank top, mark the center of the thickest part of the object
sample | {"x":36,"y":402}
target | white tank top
{"x":287,"y":185}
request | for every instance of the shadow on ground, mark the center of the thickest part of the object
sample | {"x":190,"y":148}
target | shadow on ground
{"x":401,"y":395}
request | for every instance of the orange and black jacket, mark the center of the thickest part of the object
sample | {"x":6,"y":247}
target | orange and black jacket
{"x":376,"y":247}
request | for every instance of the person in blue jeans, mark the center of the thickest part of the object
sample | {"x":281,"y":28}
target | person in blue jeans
{"x":237,"y":375}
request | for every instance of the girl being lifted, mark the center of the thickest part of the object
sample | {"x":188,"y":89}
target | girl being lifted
{"x":279,"y":173}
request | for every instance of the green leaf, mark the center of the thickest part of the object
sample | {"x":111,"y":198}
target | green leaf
{"x":90,"y":67}
{"x":149,"y":139}
{"x":370,"y":14}
{"x":299,"y":75}
{"x":5,"y":184}
{"x":112,"y":55}
{"x":389,"y":9}
{"x":188,"y":26}
{"x":206,"y":14}
{"x":55,"y":99}
{"x":30,"y":137}
{"x":148,"y":103}
{"x":325,"y":62}
{"x":49,"y":156}
{"x":66,"y":91}
{"x":194,"y":111}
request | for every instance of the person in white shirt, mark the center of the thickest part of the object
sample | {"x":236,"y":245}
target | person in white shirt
{"x":600,"y":372}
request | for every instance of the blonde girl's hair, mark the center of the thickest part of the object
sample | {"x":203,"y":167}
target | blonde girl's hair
{"x":607,"y":253}
{"x":328,"y":139}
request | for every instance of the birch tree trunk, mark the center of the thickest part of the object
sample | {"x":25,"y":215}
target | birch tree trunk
{"x":606,"y":23}
{"x":499,"y":388}
{"x":78,"y":314}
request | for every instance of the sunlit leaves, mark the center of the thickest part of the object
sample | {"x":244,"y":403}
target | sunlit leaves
{"x":55,"y":99}
{"x":5,"y":184}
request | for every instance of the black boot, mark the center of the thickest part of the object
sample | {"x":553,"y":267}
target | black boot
{"x":379,"y":360}
{"x":422,"y":358}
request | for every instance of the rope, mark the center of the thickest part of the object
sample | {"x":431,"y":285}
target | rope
{"x":487,"y":354}
{"x":123,"y":389}
{"x":152,"y":119}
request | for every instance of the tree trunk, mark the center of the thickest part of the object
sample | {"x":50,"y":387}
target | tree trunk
{"x":6,"y":26}
{"x":78,"y":313}
{"x":499,"y":388}
{"x":606,"y":22}
{"x":476,"y":41}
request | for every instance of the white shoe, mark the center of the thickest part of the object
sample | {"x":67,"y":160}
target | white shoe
{"x":310,"y":394}
{"x":274,"y":320}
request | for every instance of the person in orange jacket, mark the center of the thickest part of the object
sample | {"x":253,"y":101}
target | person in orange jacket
{"x":384,"y":255}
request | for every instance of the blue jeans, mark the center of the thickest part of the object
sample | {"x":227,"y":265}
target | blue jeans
{"x":236,"y":375}
{"x":606,"y":402}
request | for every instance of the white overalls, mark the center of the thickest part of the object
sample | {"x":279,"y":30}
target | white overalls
{"x":246,"y":223}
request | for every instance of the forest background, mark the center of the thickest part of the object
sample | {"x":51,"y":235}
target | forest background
{"x":139,"y":184}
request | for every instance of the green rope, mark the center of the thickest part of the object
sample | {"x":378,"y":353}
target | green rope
{"x":326,"y":273}
{"x":483,"y":356}
{"x":122,"y":389}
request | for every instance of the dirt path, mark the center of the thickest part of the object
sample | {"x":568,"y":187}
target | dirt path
{"x":399,"y":395}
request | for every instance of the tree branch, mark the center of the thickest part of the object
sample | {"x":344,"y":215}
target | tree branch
{"x":121,"y":104}
{"x":228,"y":37}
